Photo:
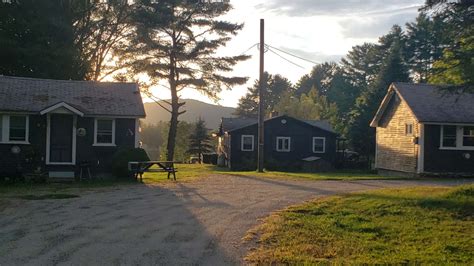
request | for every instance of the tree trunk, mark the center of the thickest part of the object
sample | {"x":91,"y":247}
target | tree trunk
{"x":174,"y":109}
{"x":173,"y":130}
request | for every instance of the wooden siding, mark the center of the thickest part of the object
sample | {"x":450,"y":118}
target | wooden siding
{"x":396,"y":151}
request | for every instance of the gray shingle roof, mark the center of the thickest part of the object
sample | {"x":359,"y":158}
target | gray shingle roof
{"x":229,"y":124}
{"x":430,"y":104}
{"x":92,"y":98}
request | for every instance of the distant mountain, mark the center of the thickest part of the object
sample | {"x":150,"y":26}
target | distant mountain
{"x":210,"y":113}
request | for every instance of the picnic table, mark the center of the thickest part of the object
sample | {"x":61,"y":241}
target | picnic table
{"x":138,"y":168}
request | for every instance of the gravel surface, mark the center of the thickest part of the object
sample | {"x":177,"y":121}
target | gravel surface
{"x":200,"y":222}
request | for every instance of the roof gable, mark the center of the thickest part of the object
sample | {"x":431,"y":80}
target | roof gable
{"x":88,"y":97}
{"x":232,"y":124}
{"x":61,"y":105}
{"x":430,"y":104}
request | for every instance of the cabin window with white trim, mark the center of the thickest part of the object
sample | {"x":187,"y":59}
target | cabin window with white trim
{"x":449,"y":136}
{"x":283,"y":144}
{"x":468,"y":136}
{"x":247,"y":143}
{"x":104,"y":132}
{"x":457,"y":137}
{"x":319,"y":144}
{"x":14,"y":128}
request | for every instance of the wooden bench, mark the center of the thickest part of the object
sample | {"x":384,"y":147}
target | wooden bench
{"x":138,"y":168}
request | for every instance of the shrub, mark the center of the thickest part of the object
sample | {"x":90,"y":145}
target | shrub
{"x":124,"y":155}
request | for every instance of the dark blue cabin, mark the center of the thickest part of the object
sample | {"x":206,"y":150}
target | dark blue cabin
{"x":55,"y":126}
{"x":290,"y":144}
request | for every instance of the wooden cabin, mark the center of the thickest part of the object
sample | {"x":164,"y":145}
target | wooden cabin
{"x":55,"y":126}
{"x":425,"y":129}
{"x":290,"y":144}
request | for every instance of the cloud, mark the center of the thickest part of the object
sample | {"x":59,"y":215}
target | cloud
{"x":301,"y":8}
{"x":373,"y":26}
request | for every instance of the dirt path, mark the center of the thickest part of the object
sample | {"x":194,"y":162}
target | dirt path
{"x":201,"y":222}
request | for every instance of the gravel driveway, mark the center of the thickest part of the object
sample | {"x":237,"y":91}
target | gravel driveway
{"x":200,"y":222}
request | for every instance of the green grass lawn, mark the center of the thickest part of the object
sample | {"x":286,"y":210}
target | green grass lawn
{"x":429,"y":225}
{"x":186,"y":172}
{"x":194,"y":171}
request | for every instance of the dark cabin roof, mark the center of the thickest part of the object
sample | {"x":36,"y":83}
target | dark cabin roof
{"x":431,"y":104}
{"x":230,"y":124}
{"x":91,"y":98}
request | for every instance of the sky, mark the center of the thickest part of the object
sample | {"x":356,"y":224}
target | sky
{"x":318,"y":30}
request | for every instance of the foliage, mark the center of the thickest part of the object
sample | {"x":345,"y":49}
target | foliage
{"x":37,"y":40}
{"x":100,"y":29}
{"x":396,"y":226}
{"x":276,"y":87}
{"x":424,"y":45}
{"x":456,"y":67}
{"x":456,"y":64}
{"x":154,"y":139}
{"x":309,"y":106}
{"x":200,"y":140}
{"x":124,"y":155}
{"x":393,"y":68}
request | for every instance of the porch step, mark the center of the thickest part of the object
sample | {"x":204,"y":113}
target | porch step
{"x":61,"y":176}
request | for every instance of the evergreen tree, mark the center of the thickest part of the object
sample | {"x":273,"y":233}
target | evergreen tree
{"x":425,"y":43}
{"x":393,"y":69}
{"x":37,"y":39}
{"x":176,"y":41}
{"x":276,"y":86}
{"x":456,"y":65}
{"x":200,"y":140}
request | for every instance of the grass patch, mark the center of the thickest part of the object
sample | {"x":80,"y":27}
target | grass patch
{"x":188,"y":172}
{"x":433,"y":225}
{"x":48,"y":196}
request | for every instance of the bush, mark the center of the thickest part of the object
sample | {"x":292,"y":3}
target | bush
{"x":124,"y":155}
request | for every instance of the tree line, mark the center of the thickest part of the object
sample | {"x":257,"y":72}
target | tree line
{"x":438,"y":48}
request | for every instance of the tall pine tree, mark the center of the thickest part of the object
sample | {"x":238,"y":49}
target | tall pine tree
{"x":176,"y":41}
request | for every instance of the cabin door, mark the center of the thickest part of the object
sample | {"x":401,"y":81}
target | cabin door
{"x":61,"y":139}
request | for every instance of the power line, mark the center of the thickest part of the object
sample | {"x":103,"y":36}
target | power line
{"x":289,"y":61}
{"x":299,"y":57}
{"x":255,"y":44}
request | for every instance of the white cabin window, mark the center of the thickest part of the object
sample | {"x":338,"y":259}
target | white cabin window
{"x":468,"y":136}
{"x":319,"y":144}
{"x":104,"y":132}
{"x":283,"y":144}
{"x":457,"y":137}
{"x":14,"y":129}
{"x":247,"y":143}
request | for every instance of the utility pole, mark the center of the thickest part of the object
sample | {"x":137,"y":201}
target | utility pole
{"x":261,"y":108}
